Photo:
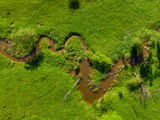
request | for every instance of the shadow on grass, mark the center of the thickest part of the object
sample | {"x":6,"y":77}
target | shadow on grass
{"x":35,"y":62}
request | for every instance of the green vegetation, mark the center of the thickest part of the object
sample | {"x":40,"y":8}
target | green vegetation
{"x":111,"y":116}
{"x":100,"y":62}
{"x":131,"y":104}
{"x":111,"y":29}
{"x":74,"y":51}
{"x":73,"y":4}
{"x":70,"y":55}
{"x":24,"y":42}
{"x":98,"y":76}
{"x":39,"y":93}
{"x":137,"y":89}
{"x":105,"y":25}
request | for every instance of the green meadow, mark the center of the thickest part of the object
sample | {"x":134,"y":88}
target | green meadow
{"x":104,"y":25}
{"x":110,"y":29}
{"x":39,"y":93}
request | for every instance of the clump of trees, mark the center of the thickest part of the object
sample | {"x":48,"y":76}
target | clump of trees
{"x":74,"y":4}
{"x":100,"y":61}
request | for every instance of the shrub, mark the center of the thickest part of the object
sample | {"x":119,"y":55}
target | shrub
{"x":121,"y":96}
{"x":100,"y":61}
{"x":111,"y":116}
{"x":24,"y":41}
{"x":133,"y":84}
{"x":98,"y":76}
{"x":146,"y":68}
{"x":25,"y":36}
{"x":136,"y":49}
{"x":73,"y":4}
{"x":95,"y":90}
{"x":127,"y":55}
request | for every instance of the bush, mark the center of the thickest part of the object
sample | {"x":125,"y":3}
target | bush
{"x":95,"y":90}
{"x":74,"y":50}
{"x":111,"y":116}
{"x":100,"y":62}
{"x":25,"y":35}
{"x":136,"y":49}
{"x":127,"y":55}
{"x":133,"y":84}
{"x":146,"y":68}
{"x":97,"y":76}
{"x":121,"y":96}
{"x":145,"y":34}
{"x":24,"y":41}
{"x":73,"y":4}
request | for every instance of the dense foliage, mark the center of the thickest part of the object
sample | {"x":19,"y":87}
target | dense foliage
{"x":24,"y":42}
{"x":100,"y":61}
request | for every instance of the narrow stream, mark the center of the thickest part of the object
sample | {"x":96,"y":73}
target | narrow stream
{"x":85,"y":69}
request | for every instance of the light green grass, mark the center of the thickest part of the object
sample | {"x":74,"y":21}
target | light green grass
{"x":39,"y":93}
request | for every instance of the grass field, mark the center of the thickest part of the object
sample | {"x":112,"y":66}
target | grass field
{"x":105,"y":25}
{"x":108,"y":27}
{"x":39,"y":93}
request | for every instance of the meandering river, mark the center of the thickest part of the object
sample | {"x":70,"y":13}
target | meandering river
{"x":85,"y":68}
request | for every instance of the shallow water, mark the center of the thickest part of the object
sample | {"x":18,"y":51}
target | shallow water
{"x":85,"y":70}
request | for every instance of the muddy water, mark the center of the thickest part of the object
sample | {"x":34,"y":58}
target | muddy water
{"x":85,"y":68}
{"x":85,"y":71}
{"x":145,"y":52}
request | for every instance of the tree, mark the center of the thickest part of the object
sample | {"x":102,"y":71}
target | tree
{"x":73,"y":4}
